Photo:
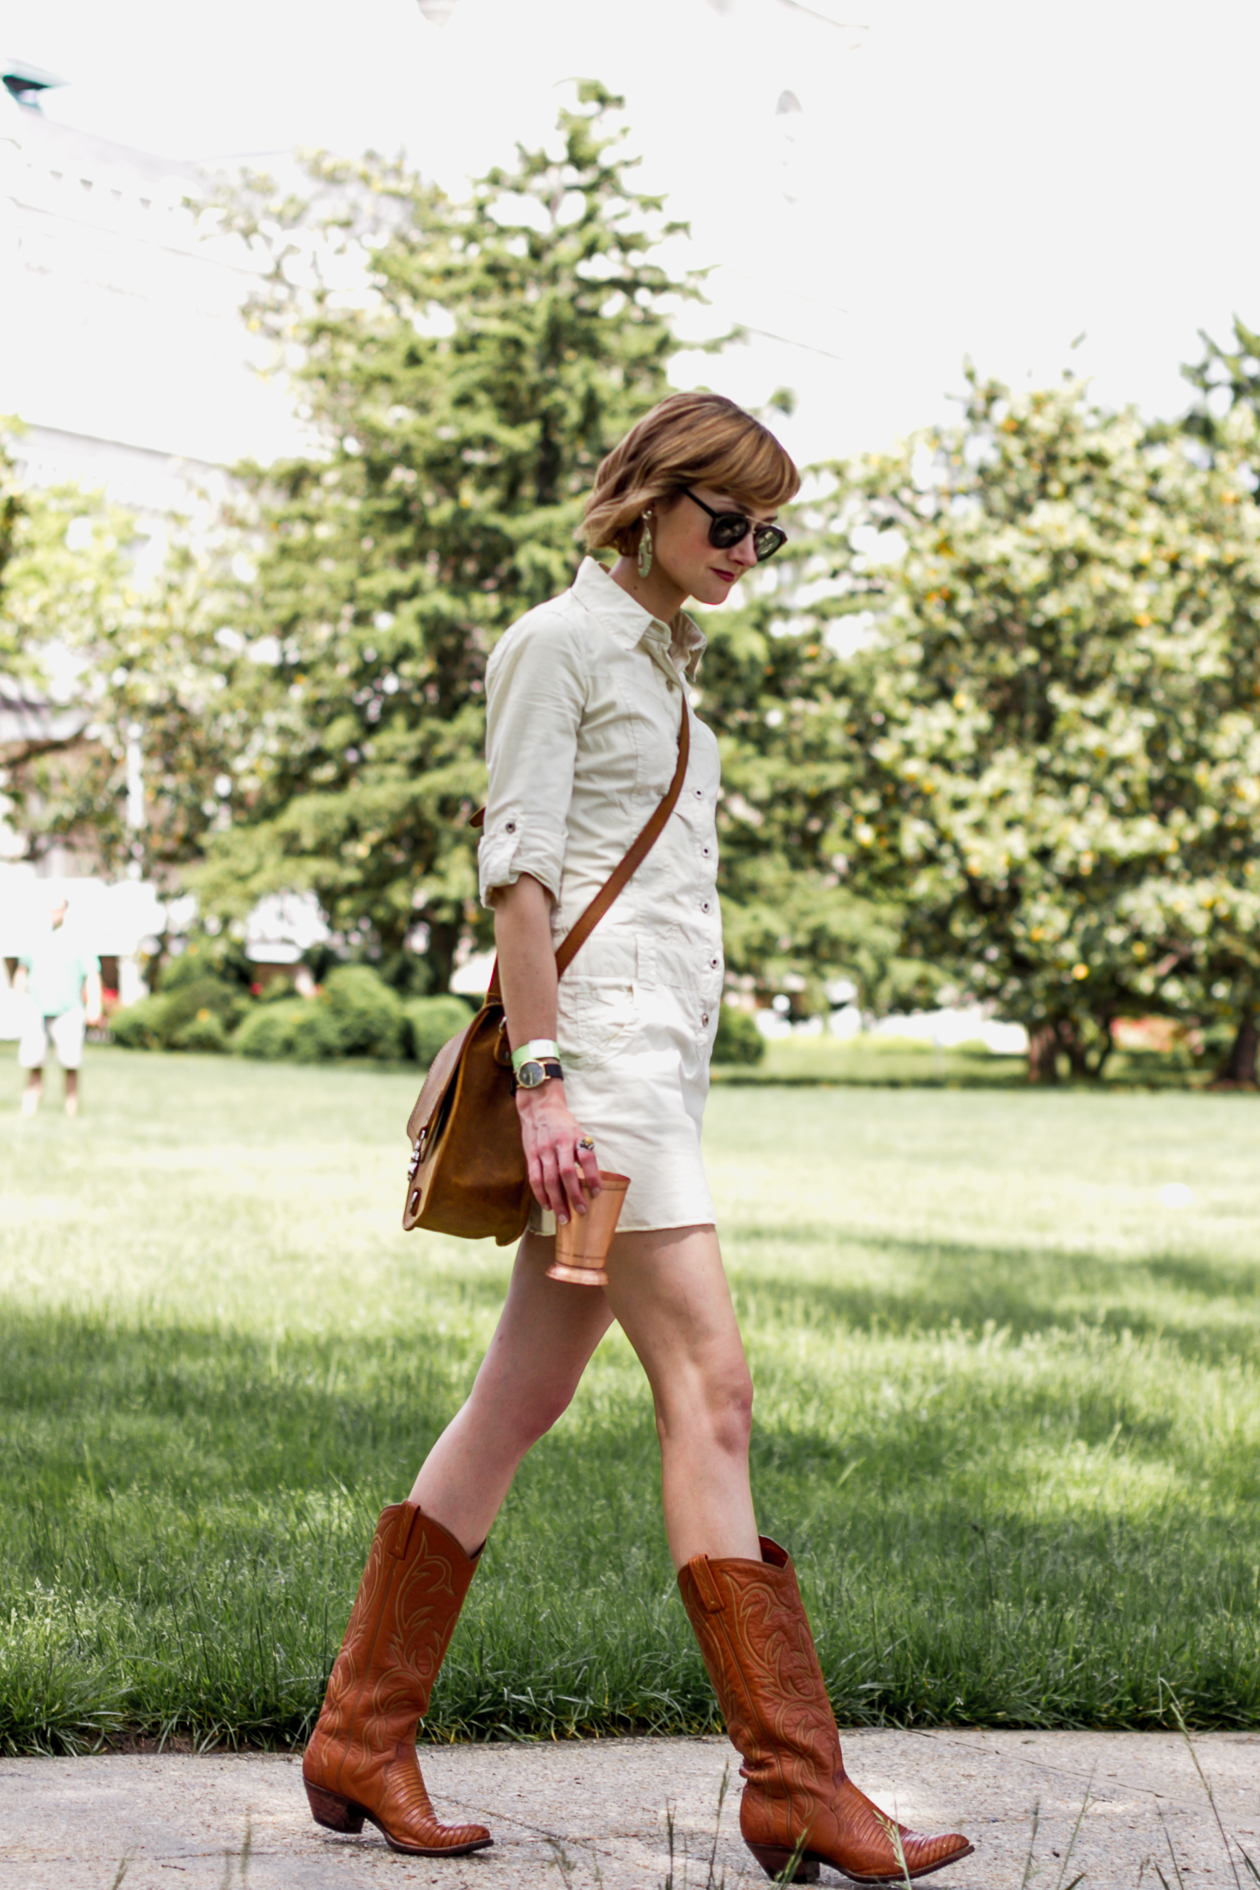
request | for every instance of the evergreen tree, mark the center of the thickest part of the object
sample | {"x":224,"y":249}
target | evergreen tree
{"x":464,"y":385}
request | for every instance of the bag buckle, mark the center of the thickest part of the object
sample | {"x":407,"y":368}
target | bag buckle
{"x":417,"y":1155}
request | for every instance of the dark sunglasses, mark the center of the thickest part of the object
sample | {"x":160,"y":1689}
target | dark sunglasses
{"x":730,"y":528}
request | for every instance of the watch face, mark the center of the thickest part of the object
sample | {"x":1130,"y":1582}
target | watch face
{"x":531,"y":1075}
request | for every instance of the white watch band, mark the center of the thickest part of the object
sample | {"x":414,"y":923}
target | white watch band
{"x":534,"y":1051}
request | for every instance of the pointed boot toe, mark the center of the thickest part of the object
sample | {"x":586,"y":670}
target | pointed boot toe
{"x":395,"y":1799}
{"x":752,"y":1628}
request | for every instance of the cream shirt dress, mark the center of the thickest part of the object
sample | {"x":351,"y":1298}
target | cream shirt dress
{"x":584,"y":700}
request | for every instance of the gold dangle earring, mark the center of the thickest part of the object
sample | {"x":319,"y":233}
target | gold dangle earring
{"x":645,"y":546}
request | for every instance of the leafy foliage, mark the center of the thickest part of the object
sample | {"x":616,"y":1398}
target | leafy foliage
{"x":464,"y":387}
{"x":774,"y":692}
{"x":290,"y":1028}
{"x":433,"y":1021}
{"x":148,"y":668}
{"x":201,"y":1006}
{"x":1052,"y":734}
{"x":194,"y":1013}
{"x":12,"y":516}
{"x":738,"y":1039}
{"x":1228,"y":380}
{"x":368,"y":1016}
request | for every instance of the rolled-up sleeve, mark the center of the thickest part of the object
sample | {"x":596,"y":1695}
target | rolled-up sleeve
{"x":536,"y":688}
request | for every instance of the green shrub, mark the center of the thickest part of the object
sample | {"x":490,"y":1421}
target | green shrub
{"x":738,"y":1038}
{"x":314,"y":1033}
{"x":369,"y":1016}
{"x":267,"y":1031}
{"x":203,"y":1032}
{"x":278,"y":987}
{"x":167,"y":1020}
{"x":189,"y":968}
{"x":205,"y":957}
{"x":188,"y":1000}
{"x":431,"y":1020}
{"x":139,"y":1026}
{"x":300,"y":1029}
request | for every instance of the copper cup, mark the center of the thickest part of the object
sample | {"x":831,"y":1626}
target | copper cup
{"x":583,"y":1241}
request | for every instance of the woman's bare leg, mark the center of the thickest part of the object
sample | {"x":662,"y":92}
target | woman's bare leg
{"x":668,"y":1292}
{"x":541,"y":1346}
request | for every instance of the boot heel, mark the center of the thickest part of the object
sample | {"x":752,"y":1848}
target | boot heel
{"x":333,"y":1811}
{"x":775,"y":1858}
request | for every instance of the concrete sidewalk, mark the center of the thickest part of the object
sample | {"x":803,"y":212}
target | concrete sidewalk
{"x":578,"y":1815}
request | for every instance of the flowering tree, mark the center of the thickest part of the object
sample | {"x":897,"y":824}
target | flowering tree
{"x":1054,"y":722}
{"x":148,"y":670}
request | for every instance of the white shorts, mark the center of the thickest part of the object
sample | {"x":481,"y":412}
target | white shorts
{"x":65,"y":1032}
{"x":636,"y":1075}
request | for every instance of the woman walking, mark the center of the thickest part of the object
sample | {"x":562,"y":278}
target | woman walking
{"x":586,"y":705}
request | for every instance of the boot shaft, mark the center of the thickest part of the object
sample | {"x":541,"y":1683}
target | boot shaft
{"x":361,"y":1761}
{"x":410,"y":1595}
{"x":754,"y":1634}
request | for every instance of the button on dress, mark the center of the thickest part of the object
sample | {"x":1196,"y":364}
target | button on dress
{"x":584,"y":699}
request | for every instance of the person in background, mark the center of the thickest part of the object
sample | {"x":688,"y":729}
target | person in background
{"x":63,"y":983}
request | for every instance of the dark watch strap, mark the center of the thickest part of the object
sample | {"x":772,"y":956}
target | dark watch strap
{"x":550,"y":1064}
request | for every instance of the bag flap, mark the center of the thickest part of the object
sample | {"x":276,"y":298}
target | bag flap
{"x":441,"y":1070}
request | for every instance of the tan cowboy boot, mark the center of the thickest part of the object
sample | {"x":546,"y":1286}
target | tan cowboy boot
{"x":361,"y":1761}
{"x":754,"y":1634}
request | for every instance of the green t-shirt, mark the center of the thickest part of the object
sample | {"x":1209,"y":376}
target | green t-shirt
{"x":56,"y":970}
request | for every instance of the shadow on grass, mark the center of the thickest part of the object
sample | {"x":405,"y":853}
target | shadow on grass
{"x":189,"y":1510}
{"x":1211,"y":1313}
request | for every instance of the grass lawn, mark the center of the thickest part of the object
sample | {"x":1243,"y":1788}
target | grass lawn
{"x":1008,"y":1413}
{"x":910,"y":1062}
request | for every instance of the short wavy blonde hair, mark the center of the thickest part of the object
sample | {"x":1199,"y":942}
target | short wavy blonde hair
{"x":687,"y":440}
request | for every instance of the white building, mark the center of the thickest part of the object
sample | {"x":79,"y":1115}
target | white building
{"x":124,"y":354}
{"x":125,"y":360}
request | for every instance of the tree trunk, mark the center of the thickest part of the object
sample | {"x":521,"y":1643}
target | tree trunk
{"x":1085,"y":1068}
{"x":1043,"y":1053}
{"x":444,"y":936}
{"x":1239,"y":1068}
{"x":1105,"y":1049}
{"x":1073,"y":1046}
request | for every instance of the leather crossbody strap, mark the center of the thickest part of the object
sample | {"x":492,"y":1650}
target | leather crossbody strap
{"x":620,"y":877}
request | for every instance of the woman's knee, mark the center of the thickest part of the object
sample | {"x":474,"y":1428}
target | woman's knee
{"x":522,"y":1417}
{"x":717,"y":1412}
{"x":543,"y":1413}
{"x":734,"y":1414}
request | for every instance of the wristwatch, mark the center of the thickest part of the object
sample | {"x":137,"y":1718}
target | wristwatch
{"x":533,"y":1073}
{"x":537,"y":1050}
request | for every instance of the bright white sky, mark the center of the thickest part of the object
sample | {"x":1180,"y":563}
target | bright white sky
{"x":983,"y":179}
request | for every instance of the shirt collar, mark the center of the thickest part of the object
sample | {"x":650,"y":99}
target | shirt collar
{"x":629,"y":624}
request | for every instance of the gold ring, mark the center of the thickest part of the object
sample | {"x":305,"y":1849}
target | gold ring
{"x":586,"y":1142}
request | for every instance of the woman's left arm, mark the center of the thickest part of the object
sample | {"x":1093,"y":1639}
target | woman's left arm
{"x":536,"y":690}
{"x":527,"y":976}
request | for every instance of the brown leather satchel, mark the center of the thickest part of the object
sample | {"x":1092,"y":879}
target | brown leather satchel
{"x":467,"y":1174}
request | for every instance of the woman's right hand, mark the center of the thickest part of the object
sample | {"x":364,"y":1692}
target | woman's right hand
{"x":550,"y":1134}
